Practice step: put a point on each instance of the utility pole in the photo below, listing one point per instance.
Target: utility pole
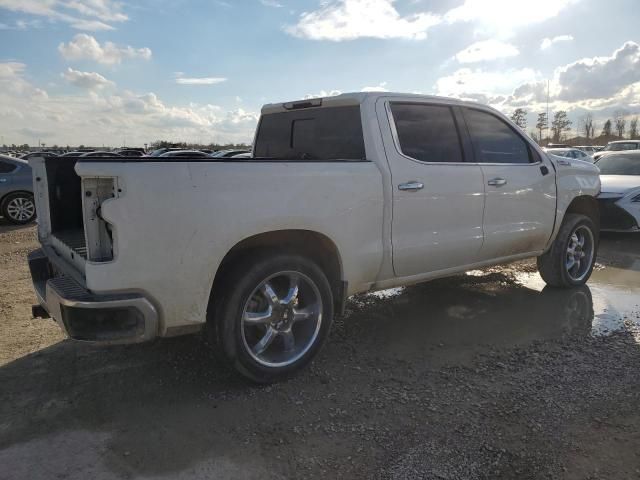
(548, 119)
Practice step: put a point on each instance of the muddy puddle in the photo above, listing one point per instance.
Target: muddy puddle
(505, 307)
(615, 299)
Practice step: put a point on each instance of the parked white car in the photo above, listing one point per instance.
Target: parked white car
(617, 146)
(620, 197)
(347, 194)
(588, 149)
(570, 153)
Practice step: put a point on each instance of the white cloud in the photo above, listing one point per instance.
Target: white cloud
(339, 20)
(548, 42)
(600, 77)
(80, 14)
(97, 116)
(88, 80)
(381, 87)
(323, 93)
(86, 47)
(15, 86)
(181, 80)
(600, 85)
(486, 50)
(271, 3)
(466, 82)
(506, 16)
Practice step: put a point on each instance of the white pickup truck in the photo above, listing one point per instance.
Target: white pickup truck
(347, 194)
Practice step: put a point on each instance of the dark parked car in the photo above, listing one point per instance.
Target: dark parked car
(131, 152)
(160, 151)
(27, 156)
(16, 191)
(185, 153)
(73, 154)
(100, 154)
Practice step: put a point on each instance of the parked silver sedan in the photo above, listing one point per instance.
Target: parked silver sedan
(16, 191)
(570, 153)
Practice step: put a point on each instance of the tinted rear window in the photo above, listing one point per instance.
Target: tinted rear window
(331, 133)
(427, 132)
(6, 167)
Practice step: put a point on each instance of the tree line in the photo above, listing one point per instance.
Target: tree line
(560, 125)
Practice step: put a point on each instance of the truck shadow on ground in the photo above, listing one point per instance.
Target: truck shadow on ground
(392, 363)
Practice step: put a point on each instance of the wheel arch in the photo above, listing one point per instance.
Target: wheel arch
(314, 245)
(3, 198)
(585, 205)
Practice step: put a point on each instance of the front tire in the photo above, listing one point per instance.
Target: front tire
(272, 315)
(18, 208)
(570, 260)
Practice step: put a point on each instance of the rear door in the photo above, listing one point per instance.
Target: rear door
(520, 186)
(438, 197)
(7, 173)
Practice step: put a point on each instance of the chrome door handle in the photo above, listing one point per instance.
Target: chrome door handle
(3, 180)
(411, 186)
(497, 182)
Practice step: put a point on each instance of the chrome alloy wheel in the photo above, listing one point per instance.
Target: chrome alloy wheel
(281, 319)
(21, 209)
(580, 251)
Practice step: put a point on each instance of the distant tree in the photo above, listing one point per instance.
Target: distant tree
(621, 123)
(542, 124)
(534, 136)
(519, 117)
(587, 126)
(606, 129)
(633, 128)
(560, 125)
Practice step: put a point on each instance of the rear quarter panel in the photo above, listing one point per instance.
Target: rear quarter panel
(175, 222)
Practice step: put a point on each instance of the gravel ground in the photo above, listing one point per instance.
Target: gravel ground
(484, 375)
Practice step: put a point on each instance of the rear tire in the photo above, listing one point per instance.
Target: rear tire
(570, 260)
(271, 315)
(18, 208)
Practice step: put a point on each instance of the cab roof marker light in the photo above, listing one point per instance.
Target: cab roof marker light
(312, 102)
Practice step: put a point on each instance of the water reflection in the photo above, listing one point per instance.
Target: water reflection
(615, 298)
(482, 309)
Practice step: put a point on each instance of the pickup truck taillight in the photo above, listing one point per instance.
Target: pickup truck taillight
(99, 236)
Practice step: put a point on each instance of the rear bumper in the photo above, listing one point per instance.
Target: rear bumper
(84, 316)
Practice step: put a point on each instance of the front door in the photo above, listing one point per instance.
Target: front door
(520, 186)
(438, 197)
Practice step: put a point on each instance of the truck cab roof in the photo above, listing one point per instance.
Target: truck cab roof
(355, 98)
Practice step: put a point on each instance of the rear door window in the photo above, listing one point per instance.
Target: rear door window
(427, 132)
(494, 141)
(6, 167)
(329, 133)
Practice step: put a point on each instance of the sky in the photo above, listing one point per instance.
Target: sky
(104, 72)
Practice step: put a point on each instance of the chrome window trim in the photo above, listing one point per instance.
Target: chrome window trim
(398, 148)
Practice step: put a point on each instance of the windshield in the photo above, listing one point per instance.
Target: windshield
(158, 152)
(619, 165)
(617, 147)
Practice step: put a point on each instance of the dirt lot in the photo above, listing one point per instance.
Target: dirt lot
(485, 375)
